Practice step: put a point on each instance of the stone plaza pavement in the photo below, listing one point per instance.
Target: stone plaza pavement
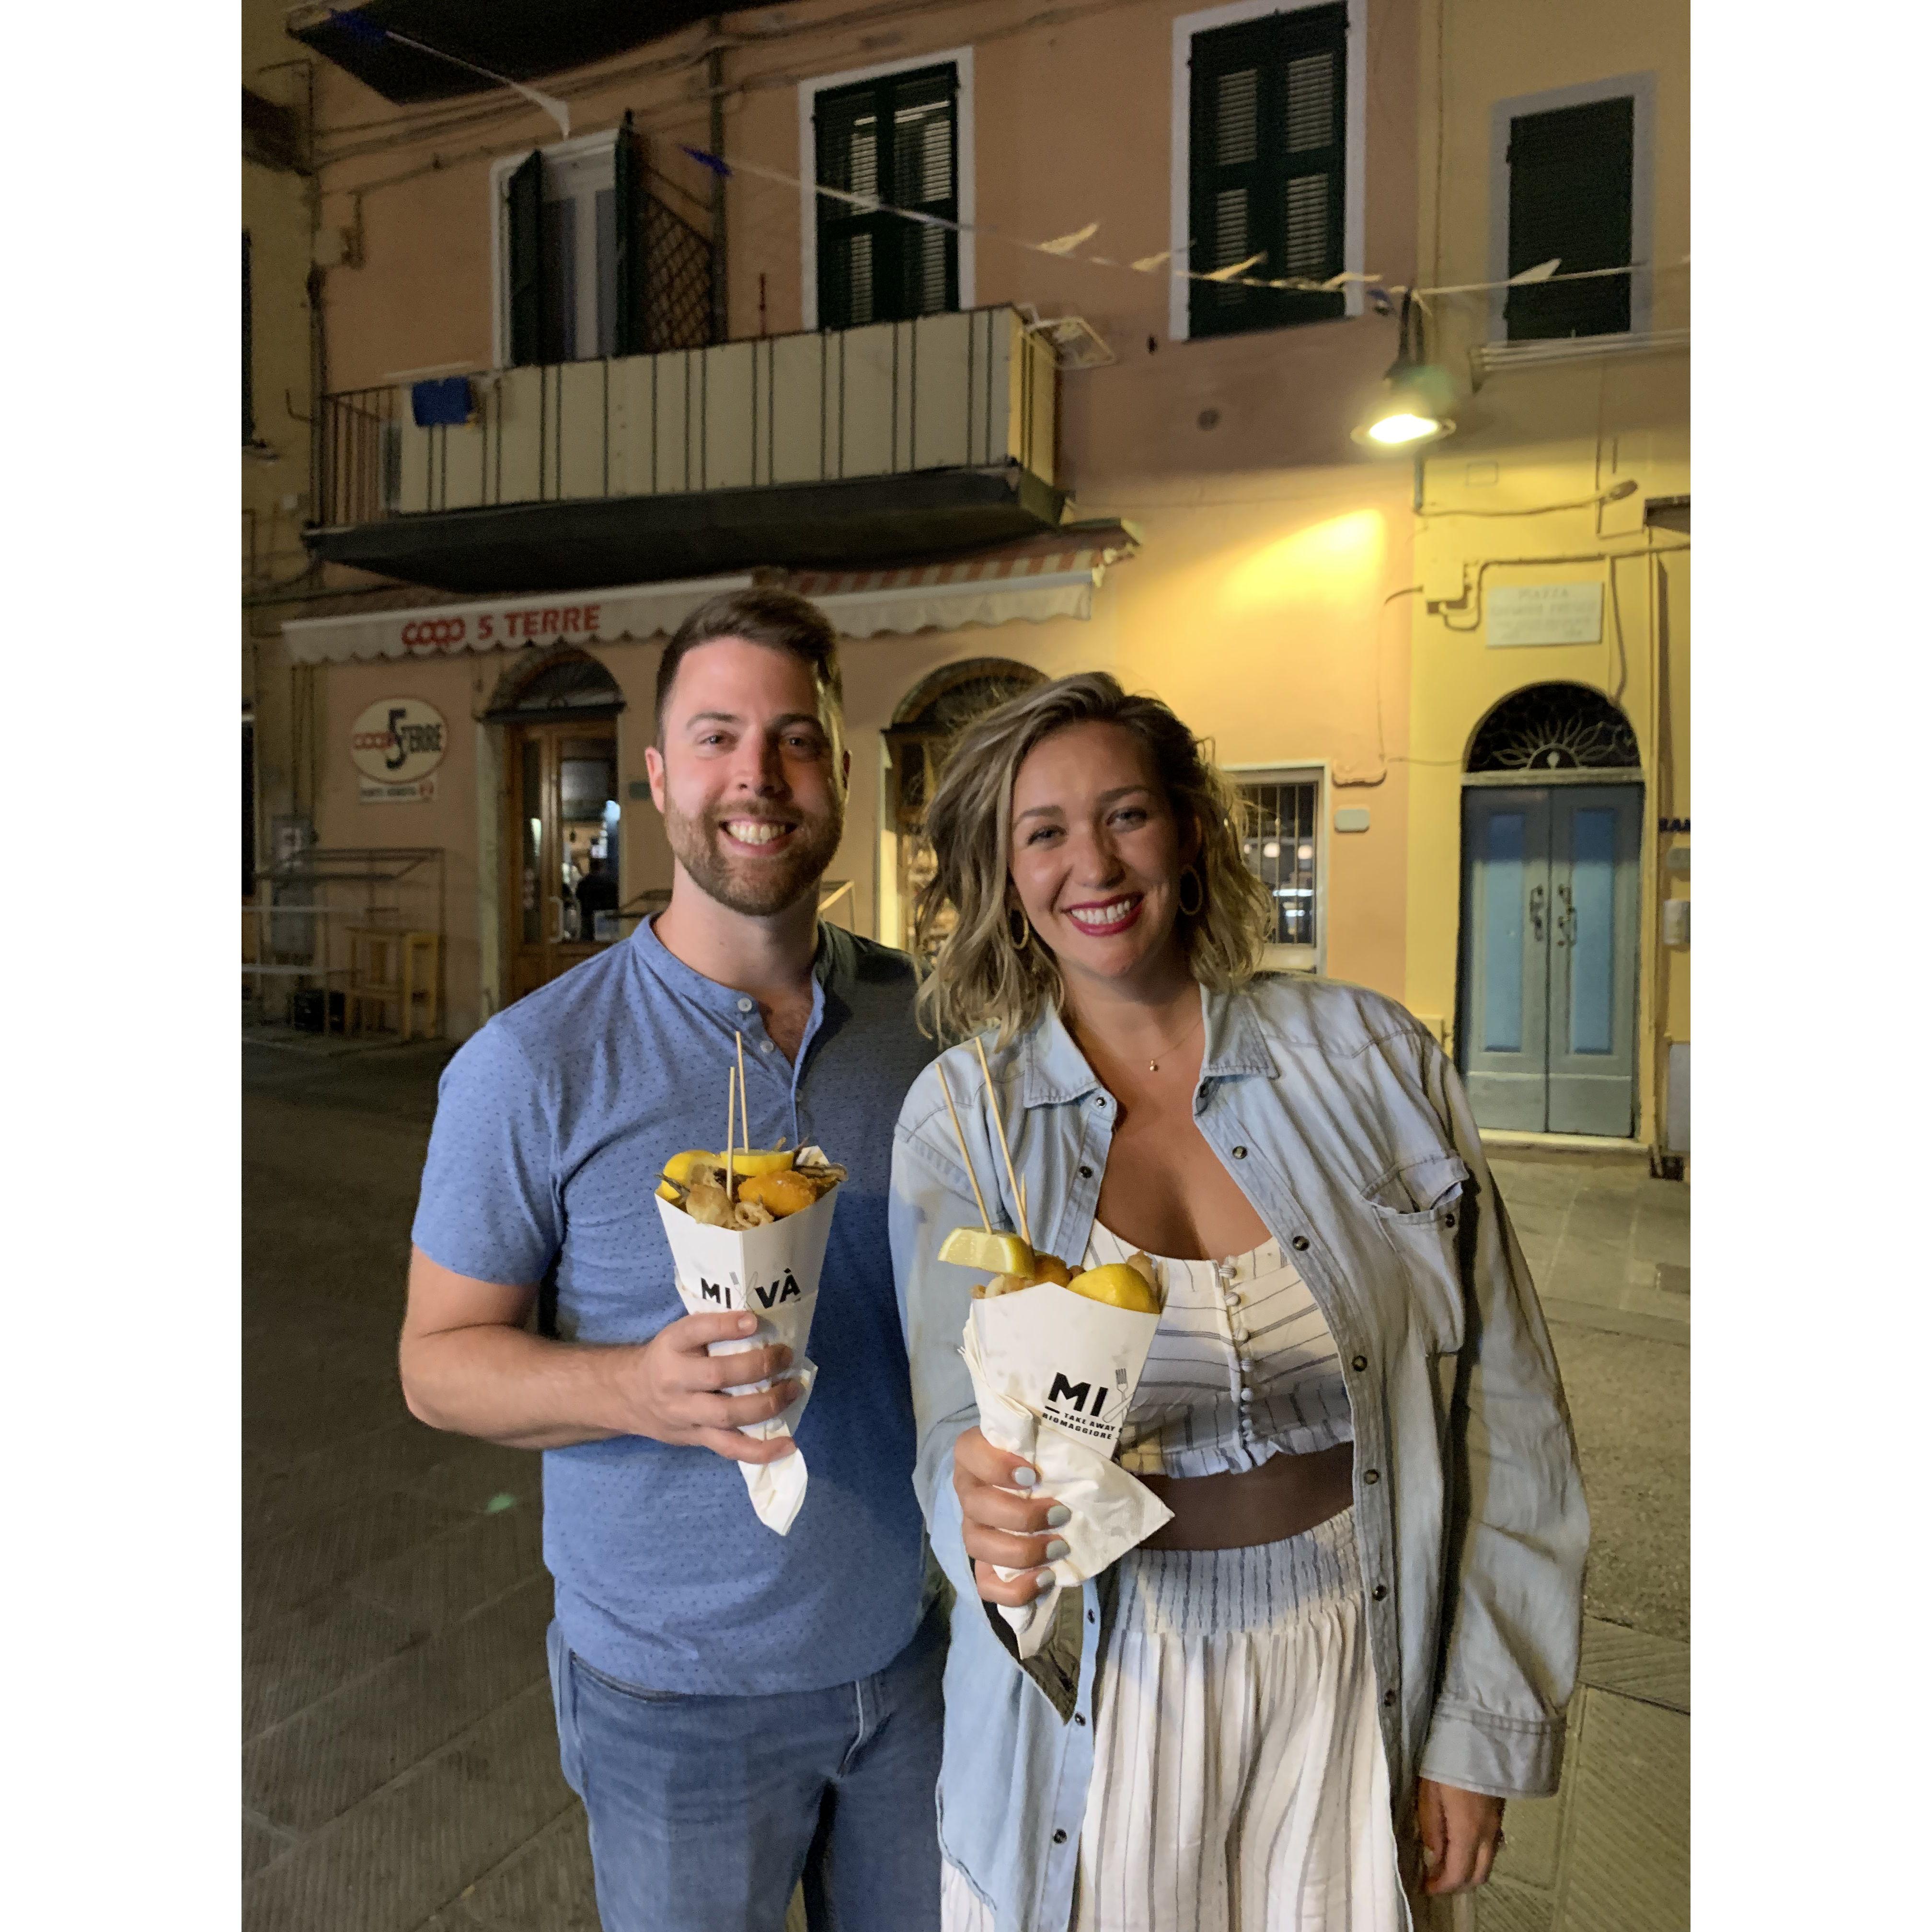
(399, 1763)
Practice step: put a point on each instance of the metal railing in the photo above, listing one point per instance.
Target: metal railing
(965, 389)
(360, 453)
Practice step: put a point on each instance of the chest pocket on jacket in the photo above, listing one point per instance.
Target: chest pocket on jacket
(1421, 1209)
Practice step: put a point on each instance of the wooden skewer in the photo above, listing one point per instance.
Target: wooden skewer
(744, 1106)
(965, 1159)
(999, 1127)
(730, 1126)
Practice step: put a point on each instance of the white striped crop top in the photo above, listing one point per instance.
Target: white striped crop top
(1243, 1366)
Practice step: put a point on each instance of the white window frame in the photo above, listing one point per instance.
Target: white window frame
(1640, 89)
(808, 91)
(1298, 771)
(1354, 171)
(580, 156)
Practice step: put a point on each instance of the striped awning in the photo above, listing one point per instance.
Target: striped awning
(1054, 575)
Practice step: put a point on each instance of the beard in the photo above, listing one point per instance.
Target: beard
(757, 887)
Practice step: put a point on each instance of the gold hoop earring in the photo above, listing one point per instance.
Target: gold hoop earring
(1023, 938)
(1200, 892)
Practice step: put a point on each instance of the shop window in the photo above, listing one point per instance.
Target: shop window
(1571, 179)
(894, 136)
(1267, 161)
(1281, 817)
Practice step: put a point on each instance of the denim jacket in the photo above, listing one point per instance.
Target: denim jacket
(1337, 1114)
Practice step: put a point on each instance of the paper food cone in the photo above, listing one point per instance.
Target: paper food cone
(1054, 1374)
(771, 1272)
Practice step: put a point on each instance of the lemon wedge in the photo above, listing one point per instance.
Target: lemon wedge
(744, 1160)
(1119, 1285)
(667, 1193)
(760, 1160)
(993, 1254)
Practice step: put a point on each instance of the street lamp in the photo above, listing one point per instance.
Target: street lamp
(1412, 408)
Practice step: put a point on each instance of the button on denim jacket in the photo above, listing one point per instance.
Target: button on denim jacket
(1338, 1117)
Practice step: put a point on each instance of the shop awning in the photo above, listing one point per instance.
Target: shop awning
(1053, 576)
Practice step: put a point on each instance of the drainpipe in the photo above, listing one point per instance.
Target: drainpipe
(714, 68)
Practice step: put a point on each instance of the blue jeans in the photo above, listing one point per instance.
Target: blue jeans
(705, 1812)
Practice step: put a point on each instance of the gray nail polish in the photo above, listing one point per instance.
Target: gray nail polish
(1045, 1582)
(1058, 1515)
(1024, 1479)
(1055, 1550)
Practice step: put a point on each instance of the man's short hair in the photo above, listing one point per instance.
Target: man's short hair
(780, 620)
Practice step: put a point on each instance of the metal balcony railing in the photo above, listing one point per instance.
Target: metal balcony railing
(970, 389)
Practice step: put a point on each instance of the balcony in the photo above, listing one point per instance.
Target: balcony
(842, 449)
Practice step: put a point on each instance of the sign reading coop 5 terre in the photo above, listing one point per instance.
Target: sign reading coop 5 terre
(396, 744)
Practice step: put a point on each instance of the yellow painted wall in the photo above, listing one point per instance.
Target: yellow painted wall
(1532, 438)
(1259, 602)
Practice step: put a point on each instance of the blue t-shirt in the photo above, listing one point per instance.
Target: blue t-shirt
(553, 1125)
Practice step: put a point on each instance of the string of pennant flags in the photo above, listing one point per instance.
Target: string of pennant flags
(1072, 248)
(1065, 247)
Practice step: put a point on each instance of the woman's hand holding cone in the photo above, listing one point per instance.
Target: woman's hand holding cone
(1002, 1525)
(669, 1389)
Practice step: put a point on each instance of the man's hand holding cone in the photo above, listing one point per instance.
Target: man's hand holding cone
(671, 1389)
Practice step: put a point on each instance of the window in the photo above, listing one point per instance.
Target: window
(1268, 142)
(1571, 180)
(568, 250)
(1281, 813)
(895, 135)
(247, 344)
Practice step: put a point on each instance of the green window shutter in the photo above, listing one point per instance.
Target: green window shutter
(896, 139)
(1266, 148)
(525, 196)
(629, 161)
(1570, 199)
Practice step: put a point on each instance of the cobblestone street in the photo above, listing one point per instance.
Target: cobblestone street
(399, 1761)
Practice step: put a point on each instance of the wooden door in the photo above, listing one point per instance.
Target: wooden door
(561, 846)
(1502, 1035)
(1595, 835)
(1546, 1035)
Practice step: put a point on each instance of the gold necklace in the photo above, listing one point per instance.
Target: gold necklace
(1153, 1065)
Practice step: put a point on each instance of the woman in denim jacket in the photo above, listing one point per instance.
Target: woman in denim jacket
(1302, 1703)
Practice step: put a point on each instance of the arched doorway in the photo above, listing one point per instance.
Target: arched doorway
(929, 717)
(562, 817)
(1552, 840)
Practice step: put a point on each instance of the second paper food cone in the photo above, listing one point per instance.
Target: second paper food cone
(771, 1272)
(1054, 1374)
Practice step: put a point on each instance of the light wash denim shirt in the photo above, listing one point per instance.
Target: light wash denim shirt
(1340, 1120)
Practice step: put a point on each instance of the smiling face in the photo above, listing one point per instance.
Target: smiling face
(1096, 852)
(749, 775)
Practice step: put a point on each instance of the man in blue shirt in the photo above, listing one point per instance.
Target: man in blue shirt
(737, 1709)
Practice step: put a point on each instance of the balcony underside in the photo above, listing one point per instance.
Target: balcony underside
(526, 42)
(580, 544)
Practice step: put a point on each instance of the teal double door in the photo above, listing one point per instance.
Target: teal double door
(1548, 988)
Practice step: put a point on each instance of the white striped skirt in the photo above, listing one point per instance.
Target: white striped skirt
(1239, 1784)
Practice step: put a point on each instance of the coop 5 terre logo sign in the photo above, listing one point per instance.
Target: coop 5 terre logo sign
(396, 744)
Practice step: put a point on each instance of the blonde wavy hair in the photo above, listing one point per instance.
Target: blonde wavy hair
(980, 978)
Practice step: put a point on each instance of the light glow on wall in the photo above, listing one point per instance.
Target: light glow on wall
(1339, 561)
